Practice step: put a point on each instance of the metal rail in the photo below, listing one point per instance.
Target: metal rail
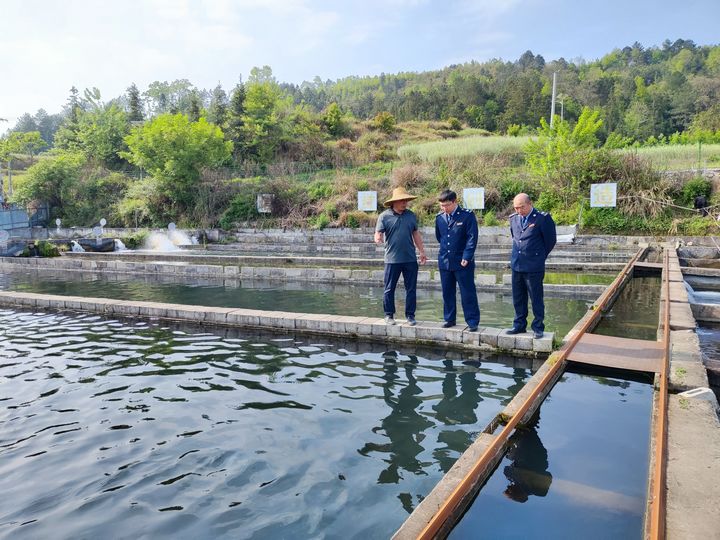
(462, 490)
(657, 501)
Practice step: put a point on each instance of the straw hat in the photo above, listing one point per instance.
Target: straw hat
(399, 194)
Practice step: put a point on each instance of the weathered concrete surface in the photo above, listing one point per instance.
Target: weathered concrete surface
(371, 328)
(693, 470)
(706, 312)
(686, 366)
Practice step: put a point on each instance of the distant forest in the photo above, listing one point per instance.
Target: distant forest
(641, 93)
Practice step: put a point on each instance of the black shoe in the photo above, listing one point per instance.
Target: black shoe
(472, 328)
(538, 335)
(448, 324)
(513, 331)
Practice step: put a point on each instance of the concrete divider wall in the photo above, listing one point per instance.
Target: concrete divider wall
(484, 339)
(427, 279)
(693, 458)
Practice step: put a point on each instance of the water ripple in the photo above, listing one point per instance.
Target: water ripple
(158, 431)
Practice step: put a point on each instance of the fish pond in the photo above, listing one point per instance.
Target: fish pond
(117, 429)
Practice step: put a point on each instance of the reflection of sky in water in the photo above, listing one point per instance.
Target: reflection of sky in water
(496, 309)
(112, 429)
(579, 472)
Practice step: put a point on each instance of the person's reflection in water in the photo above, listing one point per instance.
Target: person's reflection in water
(455, 409)
(403, 426)
(527, 474)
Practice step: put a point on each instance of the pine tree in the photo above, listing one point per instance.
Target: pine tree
(195, 107)
(235, 116)
(135, 107)
(217, 113)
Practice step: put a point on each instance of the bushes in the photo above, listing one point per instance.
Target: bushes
(243, 206)
(385, 122)
(319, 189)
(135, 240)
(694, 188)
(356, 218)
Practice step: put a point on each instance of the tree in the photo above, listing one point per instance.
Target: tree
(235, 116)
(135, 107)
(384, 121)
(164, 97)
(566, 160)
(217, 112)
(51, 180)
(66, 136)
(195, 109)
(266, 115)
(174, 150)
(101, 134)
(334, 121)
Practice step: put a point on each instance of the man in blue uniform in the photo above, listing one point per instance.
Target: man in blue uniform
(397, 227)
(456, 230)
(533, 235)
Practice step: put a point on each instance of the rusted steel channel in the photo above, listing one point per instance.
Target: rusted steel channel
(442, 520)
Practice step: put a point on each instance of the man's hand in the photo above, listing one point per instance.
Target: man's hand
(423, 258)
(378, 238)
(463, 263)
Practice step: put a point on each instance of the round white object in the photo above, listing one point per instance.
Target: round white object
(171, 226)
(103, 222)
(58, 222)
(97, 231)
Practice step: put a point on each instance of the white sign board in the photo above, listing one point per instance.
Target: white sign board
(367, 201)
(103, 222)
(603, 195)
(58, 222)
(474, 198)
(264, 203)
(171, 226)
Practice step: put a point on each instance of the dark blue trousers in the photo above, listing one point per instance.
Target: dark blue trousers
(409, 273)
(465, 280)
(526, 284)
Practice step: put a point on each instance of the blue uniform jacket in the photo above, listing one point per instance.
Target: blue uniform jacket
(457, 239)
(532, 244)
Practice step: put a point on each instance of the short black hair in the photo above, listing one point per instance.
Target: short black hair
(447, 195)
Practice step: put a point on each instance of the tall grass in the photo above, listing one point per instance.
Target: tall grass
(679, 157)
(464, 146)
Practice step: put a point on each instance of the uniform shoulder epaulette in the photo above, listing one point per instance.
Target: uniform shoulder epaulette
(543, 213)
(440, 212)
(513, 215)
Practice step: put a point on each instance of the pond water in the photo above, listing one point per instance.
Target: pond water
(579, 472)
(635, 314)
(110, 429)
(306, 297)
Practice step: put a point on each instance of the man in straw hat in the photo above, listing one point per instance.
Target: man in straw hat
(399, 227)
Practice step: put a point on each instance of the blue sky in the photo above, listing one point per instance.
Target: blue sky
(47, 46)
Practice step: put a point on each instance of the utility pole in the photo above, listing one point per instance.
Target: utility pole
(552, 106)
